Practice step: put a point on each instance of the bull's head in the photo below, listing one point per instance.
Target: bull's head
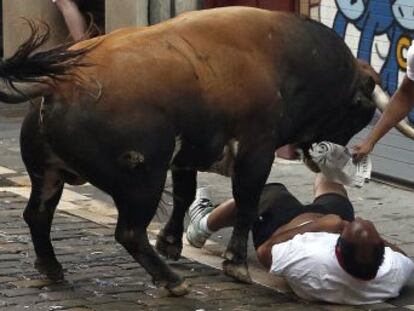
(355, 115)
(368, 97)
(381, 98)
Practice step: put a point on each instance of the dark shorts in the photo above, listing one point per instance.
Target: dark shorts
(278, 207)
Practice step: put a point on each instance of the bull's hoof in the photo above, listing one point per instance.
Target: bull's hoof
(51, 268)
(169, 246)
(159, 283)
(228, 255)
(237, 271)
(177, 290)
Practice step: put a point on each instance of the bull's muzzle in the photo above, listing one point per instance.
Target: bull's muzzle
(382, 99)
(310, 164)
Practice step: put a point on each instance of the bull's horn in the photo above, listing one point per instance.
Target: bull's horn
(382, 99)
(26, 91)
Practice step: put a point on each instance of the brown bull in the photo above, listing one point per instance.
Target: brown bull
(121, 110)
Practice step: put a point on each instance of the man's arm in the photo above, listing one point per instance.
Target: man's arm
(400, 105)
(329, 223)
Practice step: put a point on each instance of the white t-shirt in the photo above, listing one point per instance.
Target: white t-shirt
(309, 265)
(410, 62)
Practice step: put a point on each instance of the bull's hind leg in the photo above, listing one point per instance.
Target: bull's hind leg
(136, 209)
(45, 195)
(46, 191)
(252, 167)
(169, 241)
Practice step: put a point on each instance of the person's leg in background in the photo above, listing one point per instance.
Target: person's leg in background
(73, 18)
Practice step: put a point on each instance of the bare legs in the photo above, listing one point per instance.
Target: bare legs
(73, 18)
(222, 216)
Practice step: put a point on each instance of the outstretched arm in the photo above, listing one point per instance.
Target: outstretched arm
(400, 105)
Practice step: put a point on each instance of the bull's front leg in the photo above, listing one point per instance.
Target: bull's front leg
(169, 241)
(252, 167)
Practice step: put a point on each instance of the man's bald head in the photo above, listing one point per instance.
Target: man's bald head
(360, 249)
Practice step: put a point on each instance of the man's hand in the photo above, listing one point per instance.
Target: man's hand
(399, 106)
(361, 150)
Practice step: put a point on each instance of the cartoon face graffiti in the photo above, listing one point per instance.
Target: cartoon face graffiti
(403, 11)
(386, 30)
(352, 9)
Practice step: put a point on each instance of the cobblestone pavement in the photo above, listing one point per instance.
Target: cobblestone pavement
(100, 275)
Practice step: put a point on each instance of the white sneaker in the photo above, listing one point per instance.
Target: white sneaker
(201, 206)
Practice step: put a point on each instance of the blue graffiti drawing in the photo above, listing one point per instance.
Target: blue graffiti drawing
(400, 36)
(372, 18)
(403, 11)
(395, 18)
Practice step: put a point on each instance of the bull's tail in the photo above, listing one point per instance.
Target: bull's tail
(29, 74)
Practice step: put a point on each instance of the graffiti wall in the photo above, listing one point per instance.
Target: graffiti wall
(378, 31)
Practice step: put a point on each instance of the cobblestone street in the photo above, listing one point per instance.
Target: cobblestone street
(124, 108)
(100, 275)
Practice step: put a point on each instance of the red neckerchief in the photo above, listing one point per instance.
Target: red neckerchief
(339, 257)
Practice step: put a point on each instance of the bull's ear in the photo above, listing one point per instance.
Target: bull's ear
(366, 69)
(367, 84)
(368, 77)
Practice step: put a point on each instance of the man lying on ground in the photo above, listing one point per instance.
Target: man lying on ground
(320, 249)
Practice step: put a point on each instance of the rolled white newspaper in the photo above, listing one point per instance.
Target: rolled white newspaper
(335, 162)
